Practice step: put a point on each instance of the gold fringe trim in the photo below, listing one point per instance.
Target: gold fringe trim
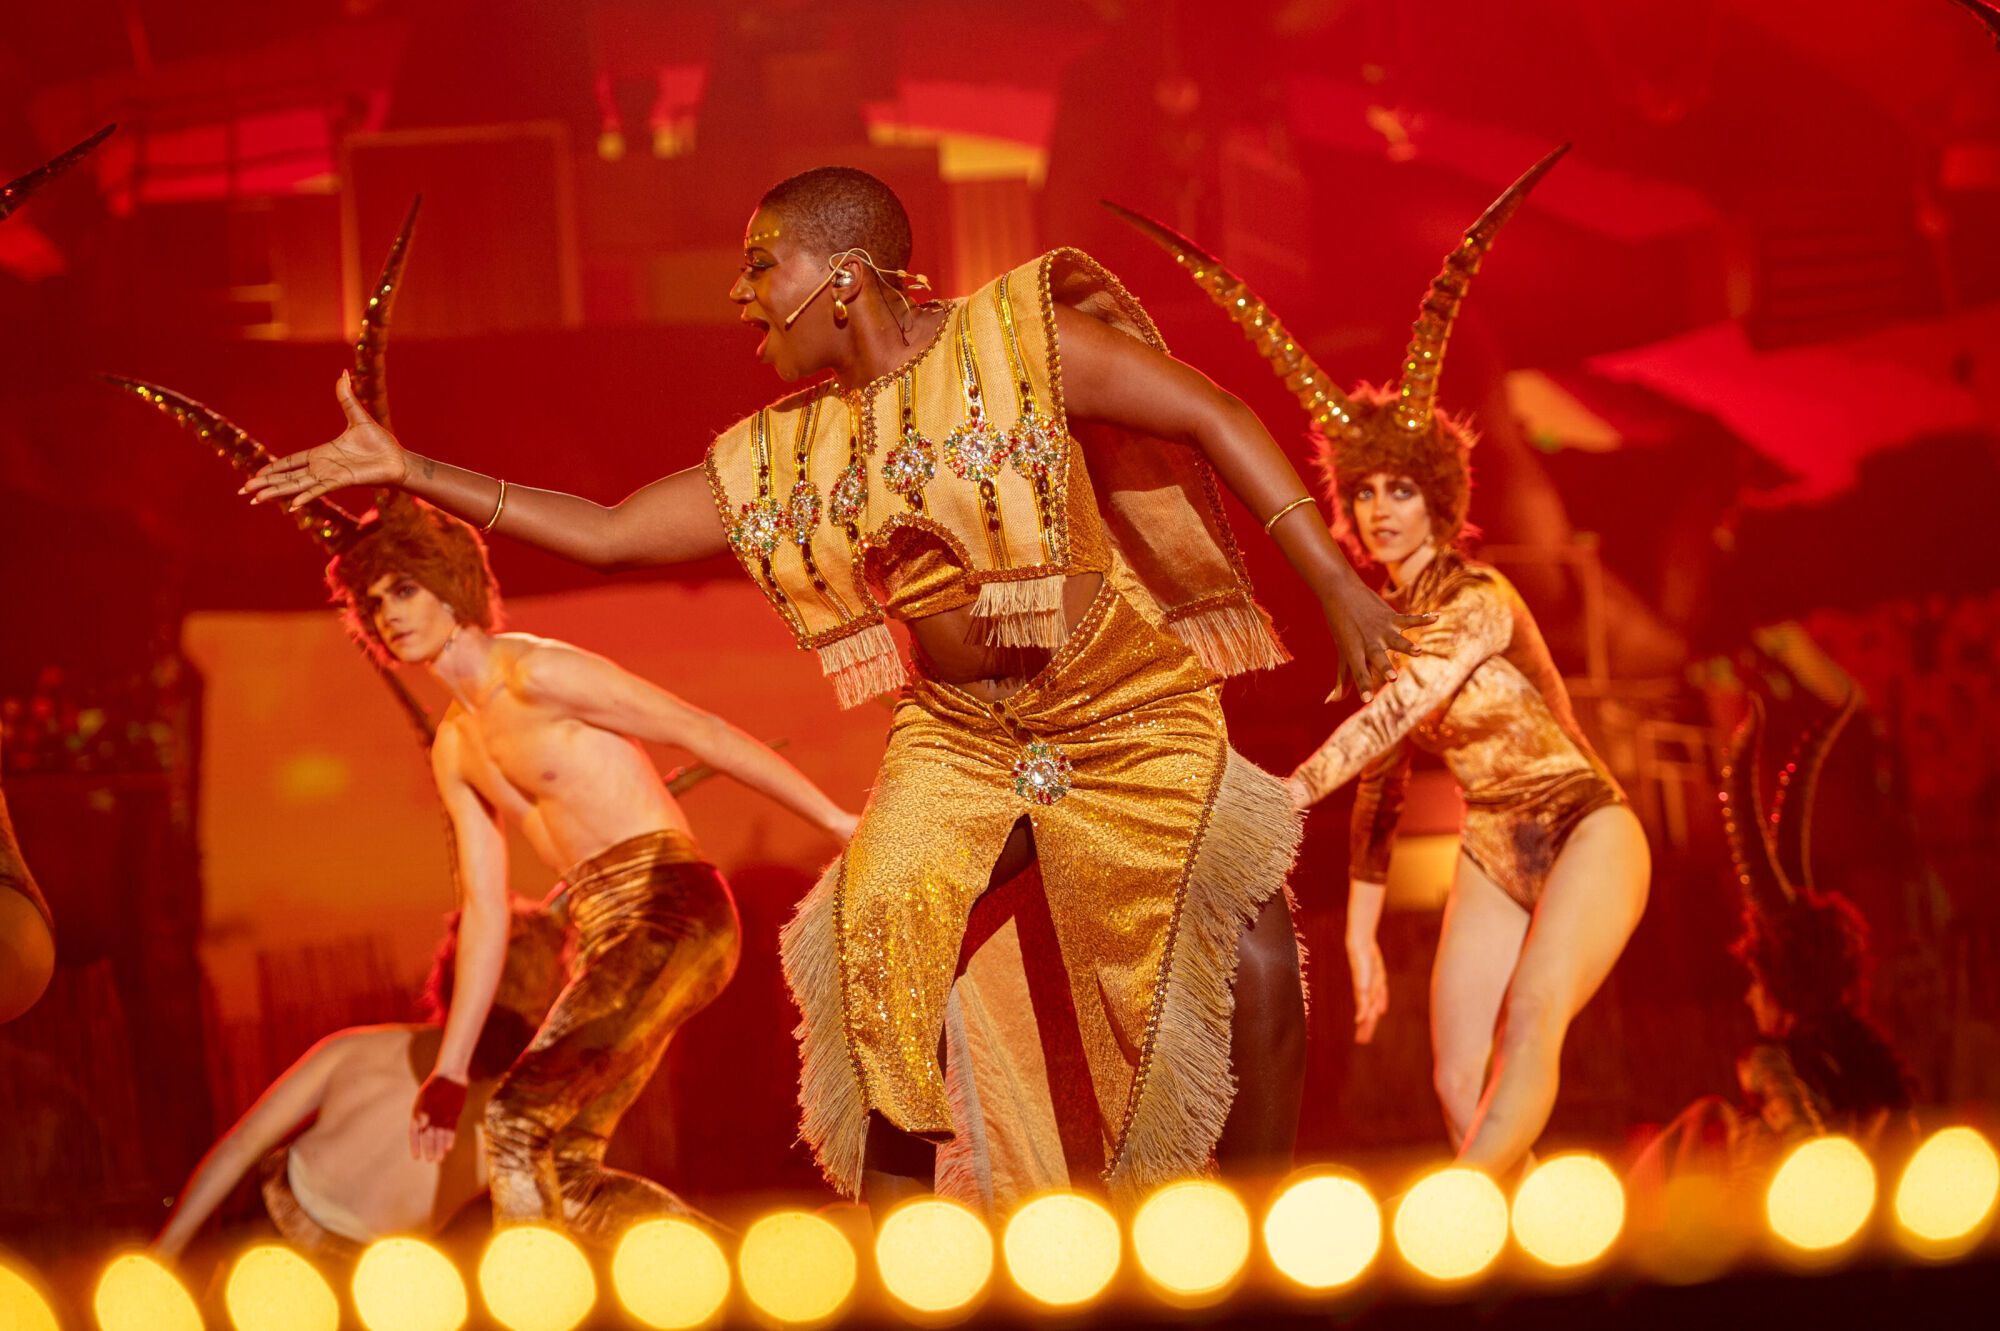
(964, 1165)
(1186, 1085)
(862, 665)
(833, 1113)
(1022, 612)
(1232, 637)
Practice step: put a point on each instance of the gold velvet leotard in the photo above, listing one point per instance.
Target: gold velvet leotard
(1486, 698)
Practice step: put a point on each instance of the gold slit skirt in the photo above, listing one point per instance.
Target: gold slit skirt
(1157, 846)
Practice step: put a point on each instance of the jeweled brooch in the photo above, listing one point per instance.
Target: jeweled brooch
(976, 451)
(802, 512)
(1035, 446)
(849, 499)
(909, 466)
(1042, 773)
(759, 528)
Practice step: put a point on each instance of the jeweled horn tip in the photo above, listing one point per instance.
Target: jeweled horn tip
(1325, 404)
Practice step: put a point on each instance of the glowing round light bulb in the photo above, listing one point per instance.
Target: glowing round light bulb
(1323, 1231)
(1062, 1249)
(136, 1293)
(1946, 1194)
(1569, 1211)
(1452, 1224)
(796, 1267)
(934, 1256)
(1821, 1195)
(272, 1288)
(670, 1274)
(22, 1305)
(536, 1279)
(407, 1285)
(1192, 1239)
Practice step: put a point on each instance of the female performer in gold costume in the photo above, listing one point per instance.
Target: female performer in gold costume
(1553, 868)
(1073, 597)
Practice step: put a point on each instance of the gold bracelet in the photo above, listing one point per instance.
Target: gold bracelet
(1272, 521)
(498, 506)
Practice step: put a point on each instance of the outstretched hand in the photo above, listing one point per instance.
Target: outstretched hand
(1367, 630)
(364, 454)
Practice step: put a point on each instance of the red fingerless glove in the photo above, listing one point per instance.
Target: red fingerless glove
(440, 1101)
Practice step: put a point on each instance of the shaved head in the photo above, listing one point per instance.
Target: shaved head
(833, 208)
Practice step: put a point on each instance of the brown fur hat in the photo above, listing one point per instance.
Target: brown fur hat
(435, 550)
(536, 969)
(1438, 460)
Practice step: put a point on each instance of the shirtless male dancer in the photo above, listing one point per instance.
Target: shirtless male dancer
(348, 1178)
(549, 735)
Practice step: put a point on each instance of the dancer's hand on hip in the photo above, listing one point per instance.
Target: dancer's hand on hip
(1367, 630)
(364, 454)
(434, 1118)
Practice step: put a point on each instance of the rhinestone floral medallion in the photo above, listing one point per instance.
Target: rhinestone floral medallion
(802, 511)
(1036, 446)
(976, 450)
(1042, 773)
(758, 528)
(910, 465)
(849, 498)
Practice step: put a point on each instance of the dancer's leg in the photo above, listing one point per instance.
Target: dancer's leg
(1477, 951)
(898, 1165)
(1267, 1047)
(1591, 903)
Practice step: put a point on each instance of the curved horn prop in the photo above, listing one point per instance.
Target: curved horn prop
(327, 523)
(16, 192)
(1985, 12)
(1798, 784)
(371, 347)
(1325, 403)
(1424, 362)
(1763, 881)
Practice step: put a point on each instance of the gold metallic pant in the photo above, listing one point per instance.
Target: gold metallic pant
(1160, 849)
(657, 939)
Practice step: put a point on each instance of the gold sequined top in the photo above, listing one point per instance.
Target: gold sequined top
(957, 480)
(1484, 696)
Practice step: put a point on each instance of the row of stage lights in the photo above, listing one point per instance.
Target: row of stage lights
(1192, 1243)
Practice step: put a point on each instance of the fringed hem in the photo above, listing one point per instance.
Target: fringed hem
(1186, 1084)
(964, 1164)
(1231, 637)
(833, 1113)
(862, 665)
(1023, 612)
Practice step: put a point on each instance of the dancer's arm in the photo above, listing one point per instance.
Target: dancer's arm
(287, 1102)
(1472, 626)
(671, 521)
(594, 690)
(484, 919)
(1378, 804)
(1111, 377)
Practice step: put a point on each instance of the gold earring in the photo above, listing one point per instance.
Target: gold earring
(839, 310)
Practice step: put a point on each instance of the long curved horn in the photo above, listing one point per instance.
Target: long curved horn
(332, 526)
(1986, 13)
(1758, 872)
(1323, 401)
(15, 192)
(371, 346)
(1423, 363)
(1798, 784)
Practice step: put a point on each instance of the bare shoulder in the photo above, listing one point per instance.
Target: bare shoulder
(546, 669)
(365, 1044)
